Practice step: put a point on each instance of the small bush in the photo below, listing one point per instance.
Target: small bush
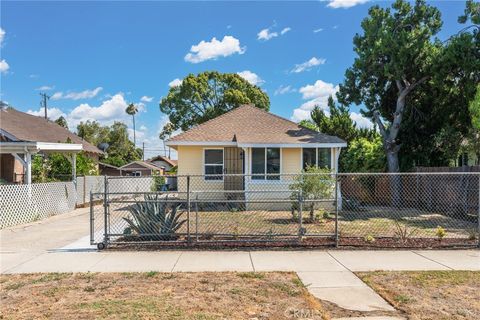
(440, 232)
(369, 238)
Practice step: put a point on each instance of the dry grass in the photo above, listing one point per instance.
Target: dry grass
(155, 295)
(432, 295)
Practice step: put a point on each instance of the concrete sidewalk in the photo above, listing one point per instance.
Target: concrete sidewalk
(328, 275)
(60, 244)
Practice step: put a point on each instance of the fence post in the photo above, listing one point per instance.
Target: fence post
(105, 210)
(92, 219)
(85, 190)
(188, 208)
(300, 216)
(336, 210)
(196, 218)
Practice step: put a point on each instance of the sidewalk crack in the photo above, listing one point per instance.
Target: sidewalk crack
(421, 255)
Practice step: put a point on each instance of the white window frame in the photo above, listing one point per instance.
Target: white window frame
(137, 173)
(264, 180)
(204, 164)
(332, 160)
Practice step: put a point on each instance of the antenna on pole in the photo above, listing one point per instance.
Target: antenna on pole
(43, 103)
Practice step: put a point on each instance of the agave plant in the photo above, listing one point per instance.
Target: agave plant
(154, 218)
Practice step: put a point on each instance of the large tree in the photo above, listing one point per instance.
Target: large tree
(415, 87)
(121, 150)
(394, 58)
(207, 95)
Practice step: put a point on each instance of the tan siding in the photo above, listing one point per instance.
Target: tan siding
(190, 162)
(291, 160)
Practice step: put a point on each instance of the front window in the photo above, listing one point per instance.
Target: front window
(265, 160)
(317, 157)
(213, 164)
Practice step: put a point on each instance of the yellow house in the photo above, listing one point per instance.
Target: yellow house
(264, 150)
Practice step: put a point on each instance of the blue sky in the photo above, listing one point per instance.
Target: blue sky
(93, 58)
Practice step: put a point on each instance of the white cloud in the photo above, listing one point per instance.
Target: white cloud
(285, 30)
(86, 94)
(266, 34)
(109, 111)
(361, 121)
(146, 99)
(2, 35)
(251, 77)
(45, 88)
(284, 90)
(318, 30)
(317, 95)
(335, 4)
(4, 66)
(52, 113)
(307, 65)
(318, 89)
(207, 50)
(175, 83)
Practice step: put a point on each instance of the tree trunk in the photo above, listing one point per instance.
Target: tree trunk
(395, 178)
(134, 133)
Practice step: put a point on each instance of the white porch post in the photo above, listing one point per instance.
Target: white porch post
(28, 168)
(74, 169)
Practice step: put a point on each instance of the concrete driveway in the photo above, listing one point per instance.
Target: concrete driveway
(23, 243)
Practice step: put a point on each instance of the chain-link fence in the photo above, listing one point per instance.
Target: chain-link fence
(383, 210)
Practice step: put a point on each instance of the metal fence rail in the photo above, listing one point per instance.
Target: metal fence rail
(384, 210)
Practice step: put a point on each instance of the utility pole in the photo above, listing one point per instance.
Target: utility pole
(143, 152)
(43, 103)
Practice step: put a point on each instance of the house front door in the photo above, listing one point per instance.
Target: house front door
(234, 164)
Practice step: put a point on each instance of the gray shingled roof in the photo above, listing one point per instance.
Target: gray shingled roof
(26, 127)
(250, 125)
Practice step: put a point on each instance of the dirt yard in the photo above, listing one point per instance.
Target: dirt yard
(429, 294)
(156, 296)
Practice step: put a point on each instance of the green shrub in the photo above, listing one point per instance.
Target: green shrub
(440, 232)
(158, 181)
(314, 184)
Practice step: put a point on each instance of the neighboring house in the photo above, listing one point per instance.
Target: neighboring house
(251, 141)
(106, 169)
(163, 162)
(139, 168)
(22, 135)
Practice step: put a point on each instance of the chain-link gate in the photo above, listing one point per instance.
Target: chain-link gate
(384, 210)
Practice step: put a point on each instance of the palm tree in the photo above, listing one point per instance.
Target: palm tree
(132, 109)
(166, 132)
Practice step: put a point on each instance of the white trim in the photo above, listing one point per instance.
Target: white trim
(34, 147)
(255, 145)
(200, 143)
(204, 164)
(292, 145)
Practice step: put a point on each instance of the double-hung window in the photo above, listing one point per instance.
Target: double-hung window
(213, 164)
(266, 163)
(317, 157)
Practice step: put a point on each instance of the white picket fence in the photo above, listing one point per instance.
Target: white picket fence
(21, 203)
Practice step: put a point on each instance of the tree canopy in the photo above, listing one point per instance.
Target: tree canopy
(207, 95)
(415, 87)
(121, 149)
(364, 152)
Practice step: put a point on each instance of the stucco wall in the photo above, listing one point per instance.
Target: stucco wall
(190, 162)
